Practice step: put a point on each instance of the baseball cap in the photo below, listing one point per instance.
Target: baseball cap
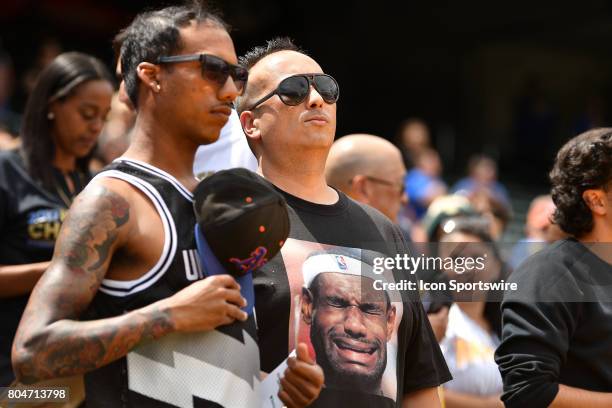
(443, 208)
(242, 223)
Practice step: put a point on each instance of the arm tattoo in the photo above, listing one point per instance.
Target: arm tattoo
(93, 229)
(48, 344)
(79, 347)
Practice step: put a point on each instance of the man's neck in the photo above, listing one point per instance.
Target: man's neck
(601, 232)
(304, 179)
(153, 144)
(599, 241)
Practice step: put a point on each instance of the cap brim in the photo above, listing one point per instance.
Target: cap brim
(211, 266)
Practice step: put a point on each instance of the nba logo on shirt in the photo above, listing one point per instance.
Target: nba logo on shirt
(341, 262)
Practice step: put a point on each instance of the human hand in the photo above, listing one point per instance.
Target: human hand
(302, 380)
(207, 304)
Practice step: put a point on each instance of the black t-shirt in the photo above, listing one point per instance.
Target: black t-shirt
(557, 326)
(372, 352)
(30, 220)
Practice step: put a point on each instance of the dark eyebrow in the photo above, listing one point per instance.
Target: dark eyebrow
(370, 305)
(337, 299)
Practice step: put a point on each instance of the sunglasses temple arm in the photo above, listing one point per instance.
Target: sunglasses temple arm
(262, 100)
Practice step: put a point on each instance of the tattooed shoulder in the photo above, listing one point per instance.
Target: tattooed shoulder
(91, 229)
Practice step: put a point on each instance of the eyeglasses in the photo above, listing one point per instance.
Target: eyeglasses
(401, 187)
(293, 90)
(213, 68)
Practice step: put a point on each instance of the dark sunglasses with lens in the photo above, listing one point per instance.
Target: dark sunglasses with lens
(213, 68)
(293, 90)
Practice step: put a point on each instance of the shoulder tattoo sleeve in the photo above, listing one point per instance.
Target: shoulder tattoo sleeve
(50, 342)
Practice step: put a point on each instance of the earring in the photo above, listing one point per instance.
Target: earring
(157, 87)
(50, 115)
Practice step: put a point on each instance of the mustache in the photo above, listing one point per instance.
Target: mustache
(317, 114)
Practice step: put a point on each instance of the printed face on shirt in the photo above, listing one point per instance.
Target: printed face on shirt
(349, 330)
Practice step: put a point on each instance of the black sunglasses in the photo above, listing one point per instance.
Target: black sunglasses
(213, 68)
(294, 89)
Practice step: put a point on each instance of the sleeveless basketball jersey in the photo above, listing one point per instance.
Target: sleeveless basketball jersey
(219, 368)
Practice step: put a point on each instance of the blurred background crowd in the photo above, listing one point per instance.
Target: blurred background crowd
(471, 101)
(510, 82)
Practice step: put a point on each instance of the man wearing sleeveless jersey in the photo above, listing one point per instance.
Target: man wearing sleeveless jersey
(124, 261)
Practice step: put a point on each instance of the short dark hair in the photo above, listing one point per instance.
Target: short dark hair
(156, 33)
(118, 43)
(583, 163)
(56, 82)
(256, 54)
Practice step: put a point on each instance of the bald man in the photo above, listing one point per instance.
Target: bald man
(369, 169)
(288, 114)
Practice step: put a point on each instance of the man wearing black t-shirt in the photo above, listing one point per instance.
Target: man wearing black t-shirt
(288, 113)
(557, 326)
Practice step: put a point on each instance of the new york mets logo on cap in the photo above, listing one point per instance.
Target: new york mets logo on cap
(256, 260)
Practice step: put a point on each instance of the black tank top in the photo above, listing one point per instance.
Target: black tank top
(219, 368)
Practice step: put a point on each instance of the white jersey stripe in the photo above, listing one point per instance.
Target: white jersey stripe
(159, 173)
(125, 288)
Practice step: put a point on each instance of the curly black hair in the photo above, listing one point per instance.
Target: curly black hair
(583, 163)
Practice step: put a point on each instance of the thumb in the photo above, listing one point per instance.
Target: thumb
(302, 353)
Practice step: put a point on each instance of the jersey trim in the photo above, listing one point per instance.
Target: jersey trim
(128, 287)
(159, 173)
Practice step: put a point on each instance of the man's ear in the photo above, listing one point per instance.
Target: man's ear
(359, 189)
(250, 125)
(149, 75)
(596, 200)
(307, 306)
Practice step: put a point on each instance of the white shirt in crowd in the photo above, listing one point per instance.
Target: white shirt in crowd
(230, 151)
(469, 352)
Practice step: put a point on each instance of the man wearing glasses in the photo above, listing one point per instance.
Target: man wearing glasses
(118, 302)
(369, 169)
(288, 113)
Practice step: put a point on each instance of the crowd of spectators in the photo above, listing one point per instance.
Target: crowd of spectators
(404, 180)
